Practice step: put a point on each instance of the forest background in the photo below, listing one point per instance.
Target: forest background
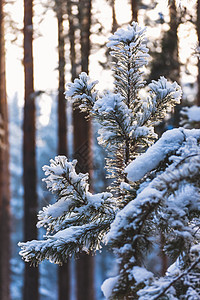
(43, 45)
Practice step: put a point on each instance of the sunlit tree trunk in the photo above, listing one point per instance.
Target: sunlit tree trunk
(29, 153)
(4, 173)
(82, 151)
(64, 271)
(198, 34)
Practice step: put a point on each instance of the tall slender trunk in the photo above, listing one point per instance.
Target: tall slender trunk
(72, 40)
(198, 65)
(82, 151)
(114, 20)
(29, 153)
(64, 270)
(134, 10)
(4, 173)
(173, 41)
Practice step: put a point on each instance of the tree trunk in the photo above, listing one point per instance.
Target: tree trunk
(64, 271)
(198, 65)
(114, 20)
(82, 152)
(173, 42)
(29, 153)
(134, 10)
(4, 173)
(72, 40)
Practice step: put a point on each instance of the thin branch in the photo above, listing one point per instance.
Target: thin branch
(177, 278)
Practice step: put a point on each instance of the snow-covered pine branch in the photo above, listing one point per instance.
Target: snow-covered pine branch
(77, 219)
(170, 204)
(127, 121)
(82, 92)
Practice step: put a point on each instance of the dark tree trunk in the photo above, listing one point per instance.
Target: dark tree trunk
(62, 119)
(134, 10)
(167, 64)
(72, 40)
(64, 270)
(173, 41)
(114, 20)
(198, 34)
(29, 153)
(82, 152)
(4, 174)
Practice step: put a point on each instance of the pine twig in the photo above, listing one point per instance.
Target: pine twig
(177, 278)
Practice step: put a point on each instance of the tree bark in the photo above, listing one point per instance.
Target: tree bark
(4, 173)
(114, 20)
(82, 152)
(173, 42)
(198, 64)
(64, 270)
(72, 40)
(29, 153)
(134, 10)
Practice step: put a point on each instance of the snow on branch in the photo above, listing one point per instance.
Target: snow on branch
(130, 53)
(115, 119)
(168, 143)
(65, 243)
(75, 203)
(163, 96)
(164, 286)
(163, 88)
(78, 218)
(171, 201)
(126, 36)
(82, 92)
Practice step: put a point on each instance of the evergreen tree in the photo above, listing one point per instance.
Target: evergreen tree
(155, 188)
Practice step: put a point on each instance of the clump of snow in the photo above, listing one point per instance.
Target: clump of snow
(193, 113)
(141, 131)
(55, 210)
(195, 249)
(150, 292)
(60, 169)
(174, 269)
(170, 141)
(108, 103)
(108, 285)
(130, 34)
(80, 86)
(132, 210)
(162, 88)
(141, 274)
